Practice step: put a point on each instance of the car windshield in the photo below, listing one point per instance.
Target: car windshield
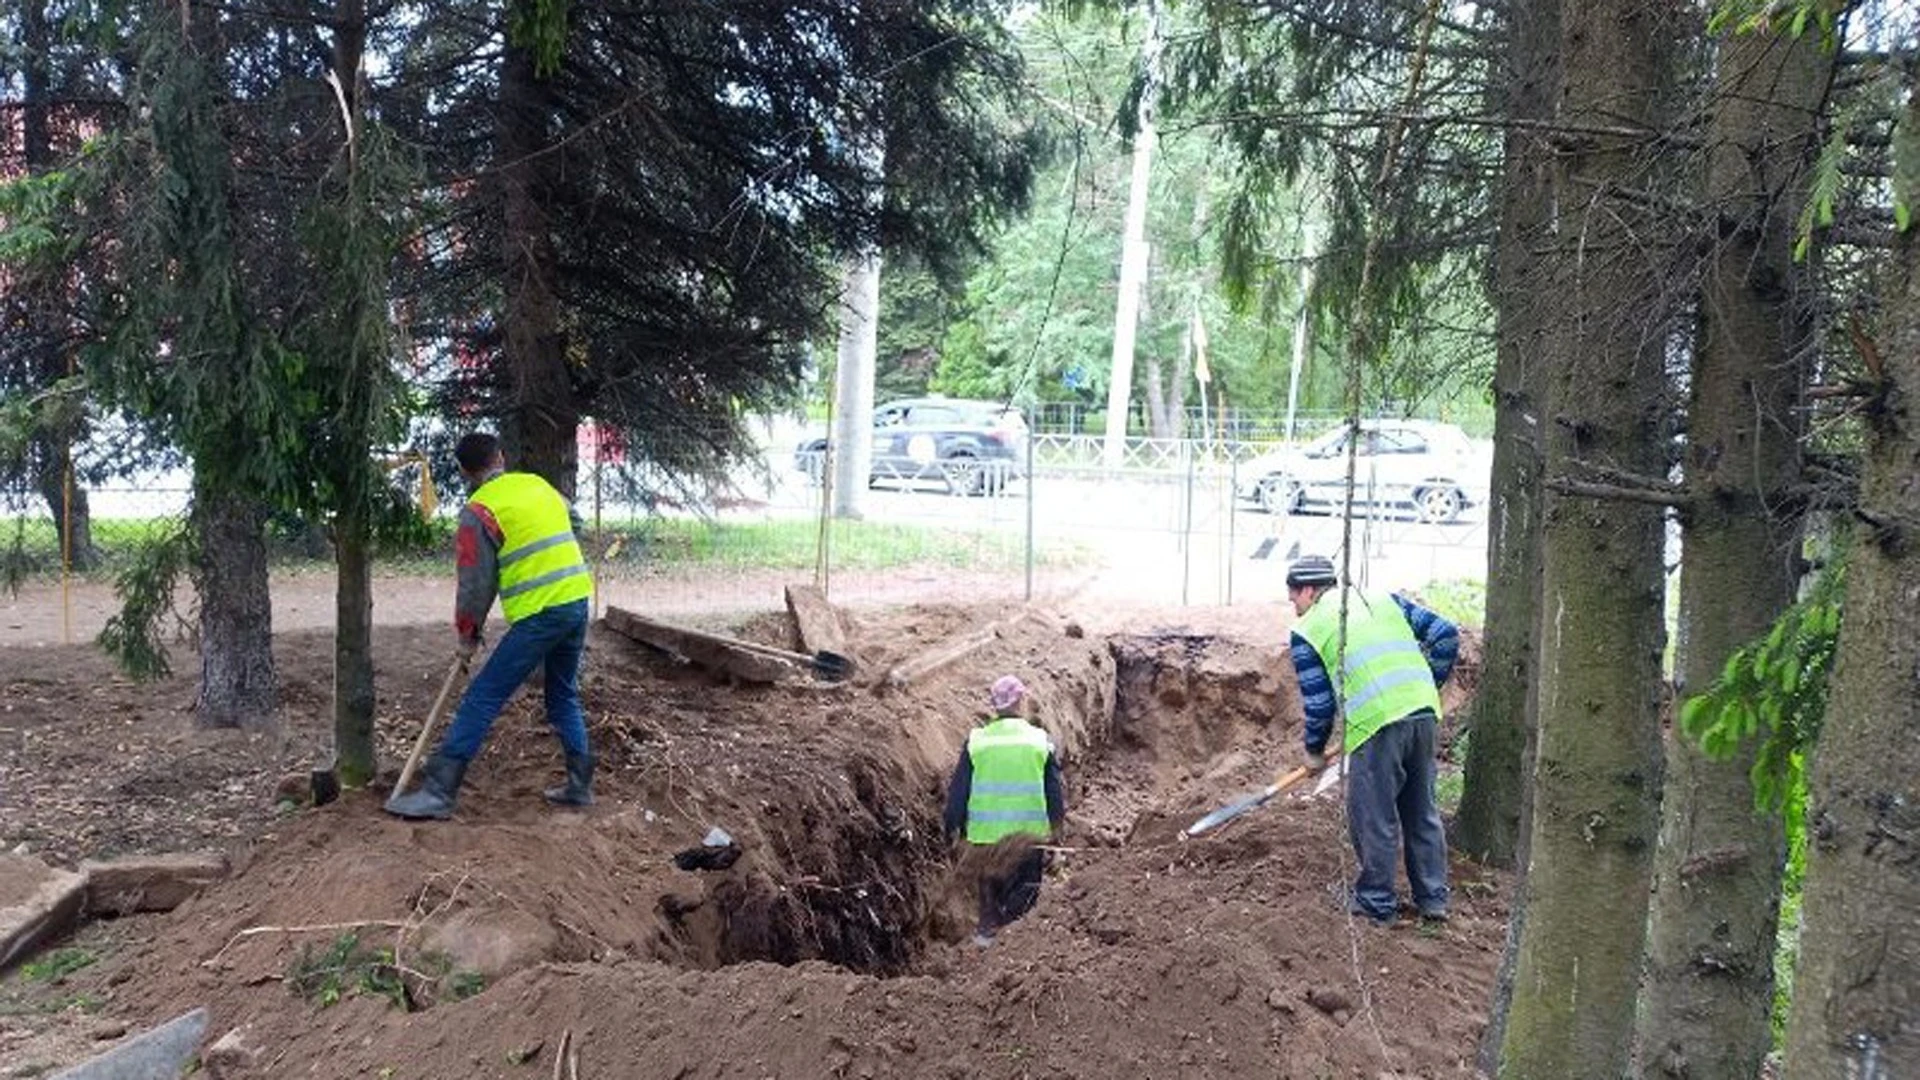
(1333, 442)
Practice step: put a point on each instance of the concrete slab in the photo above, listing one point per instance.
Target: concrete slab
(157, 1054)
(37, 904)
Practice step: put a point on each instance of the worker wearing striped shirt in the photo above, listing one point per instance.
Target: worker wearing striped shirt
(519, 539)
(1395, 656)
(1006, 787)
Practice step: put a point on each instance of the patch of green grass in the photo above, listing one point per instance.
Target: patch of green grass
(1461, 601)
(794, 545)
(55, 966)
(460, 985)
(346, 967)
(29, 546)
(1448, 786)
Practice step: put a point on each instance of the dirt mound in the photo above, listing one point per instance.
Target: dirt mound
(822, 950)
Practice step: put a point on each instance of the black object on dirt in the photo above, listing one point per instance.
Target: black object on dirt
(707, 858)
(716, 852)
(326, 787)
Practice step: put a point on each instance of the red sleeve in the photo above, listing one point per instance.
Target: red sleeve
(476, 554)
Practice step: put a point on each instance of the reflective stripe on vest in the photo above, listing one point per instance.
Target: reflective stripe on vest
(1384, 677)
(540, 561)
(1009, 793)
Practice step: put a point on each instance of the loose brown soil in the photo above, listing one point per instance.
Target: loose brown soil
(835, 945)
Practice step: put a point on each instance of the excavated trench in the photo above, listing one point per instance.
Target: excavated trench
(856, 873)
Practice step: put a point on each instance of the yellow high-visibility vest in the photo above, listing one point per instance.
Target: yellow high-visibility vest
(540, 561)
(1009, 794)
(1384, 676)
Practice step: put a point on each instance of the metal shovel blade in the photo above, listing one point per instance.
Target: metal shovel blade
(1329, 779)
(1245, 803)
(1230, 811)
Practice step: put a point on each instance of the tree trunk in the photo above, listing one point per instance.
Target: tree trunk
(1856, 989)
(46, 308)
(1158, 424)
(1596, 791)
(67, 501)
(1709, 989)
(1133, 259)
(853, 384)
(541, 417)
(1488, 827)
(354, 756)
(237, 685)
(1496, 800)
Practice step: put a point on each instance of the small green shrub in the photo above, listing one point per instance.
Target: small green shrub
(348, 967)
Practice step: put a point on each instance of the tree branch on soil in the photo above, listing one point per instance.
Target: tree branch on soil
(309, 928)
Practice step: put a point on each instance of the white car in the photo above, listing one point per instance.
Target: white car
(1427, 468)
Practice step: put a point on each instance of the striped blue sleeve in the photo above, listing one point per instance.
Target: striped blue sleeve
(1316, 694)
(1438, 638)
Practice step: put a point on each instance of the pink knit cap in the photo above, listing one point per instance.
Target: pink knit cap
(1007, 692)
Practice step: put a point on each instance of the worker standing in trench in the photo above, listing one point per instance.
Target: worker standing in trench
(1397, 655)
(517, 537)
(1005, 794)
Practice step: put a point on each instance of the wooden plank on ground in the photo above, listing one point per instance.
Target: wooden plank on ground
(819, 624)
(37, 904)
(722, 655)
(148, 882)
(947, 652)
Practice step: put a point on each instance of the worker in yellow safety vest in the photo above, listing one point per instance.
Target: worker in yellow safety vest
(1006, 790)
(518, 538)
(1385, 679)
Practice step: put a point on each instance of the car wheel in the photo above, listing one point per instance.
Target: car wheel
(1438, 505)
(965, 475)
(1279, 495)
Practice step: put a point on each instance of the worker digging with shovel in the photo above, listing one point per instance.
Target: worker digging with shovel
(1395, 657)
(1005, 797)
(517, 537)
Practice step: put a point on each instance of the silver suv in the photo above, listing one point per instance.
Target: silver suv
(1427, 468)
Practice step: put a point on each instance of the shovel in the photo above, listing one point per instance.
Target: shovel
(1329, 779)
(426, 730)
(1250, 802)
(827, 666)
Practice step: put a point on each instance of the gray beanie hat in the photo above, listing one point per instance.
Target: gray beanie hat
(1312, 570)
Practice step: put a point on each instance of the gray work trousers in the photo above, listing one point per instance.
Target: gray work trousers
(1390, 792)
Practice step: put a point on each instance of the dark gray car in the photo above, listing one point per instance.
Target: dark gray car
(972, 447)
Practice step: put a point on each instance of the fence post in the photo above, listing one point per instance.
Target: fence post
(1186, 526)
(1233, 519)
(1030, 539)
(599, 533)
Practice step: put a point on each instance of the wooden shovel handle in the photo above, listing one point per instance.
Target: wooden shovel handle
(1285, 780)
(426, 729)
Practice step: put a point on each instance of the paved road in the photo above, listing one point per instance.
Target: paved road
(1152, 537)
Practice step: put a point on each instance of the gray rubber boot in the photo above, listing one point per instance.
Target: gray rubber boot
(433, 799)
(579, 787)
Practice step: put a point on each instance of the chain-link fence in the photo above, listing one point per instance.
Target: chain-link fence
(1176, 521)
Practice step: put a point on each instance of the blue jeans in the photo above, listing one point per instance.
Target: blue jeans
(1390, 792)
(556, 636)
